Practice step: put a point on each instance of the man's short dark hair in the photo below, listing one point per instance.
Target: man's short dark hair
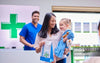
(99, 25)
(35, 12)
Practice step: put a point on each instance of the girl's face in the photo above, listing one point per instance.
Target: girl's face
(62, 26)
(52, 22)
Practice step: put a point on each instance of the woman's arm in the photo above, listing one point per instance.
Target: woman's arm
(38, 44)
(38, 49)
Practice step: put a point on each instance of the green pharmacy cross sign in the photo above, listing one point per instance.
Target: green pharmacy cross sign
(46, 54)
(13, 25)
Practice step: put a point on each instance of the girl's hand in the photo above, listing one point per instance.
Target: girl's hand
(66, 51)
(65, 39)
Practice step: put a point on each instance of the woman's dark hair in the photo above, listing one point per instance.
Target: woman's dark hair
(44, 29)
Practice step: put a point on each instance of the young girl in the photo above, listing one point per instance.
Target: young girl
(65, 25)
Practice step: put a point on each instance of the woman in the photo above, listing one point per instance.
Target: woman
(49, 32)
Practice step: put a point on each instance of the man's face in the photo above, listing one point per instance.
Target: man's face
(35, 18)
(99, 32)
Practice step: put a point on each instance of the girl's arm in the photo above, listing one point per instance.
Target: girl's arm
(69, 43)
(65, 39)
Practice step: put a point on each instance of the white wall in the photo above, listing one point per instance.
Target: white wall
(46, 5)
(88, 3)
(19, 56)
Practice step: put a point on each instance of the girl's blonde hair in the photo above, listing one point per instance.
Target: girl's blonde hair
(67, 21)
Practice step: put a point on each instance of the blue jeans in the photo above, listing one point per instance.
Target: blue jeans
(62, 61)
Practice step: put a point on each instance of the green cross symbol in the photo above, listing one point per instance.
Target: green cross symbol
(46, 54)
(13, 25)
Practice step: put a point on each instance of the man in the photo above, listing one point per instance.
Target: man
(29, 31)
(95, 59)
(99, 28)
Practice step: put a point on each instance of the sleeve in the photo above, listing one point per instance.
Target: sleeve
(70, 36)
(37, 41)
(23, 31)
(69, 44)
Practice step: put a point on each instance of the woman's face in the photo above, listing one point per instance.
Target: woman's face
(52, 22)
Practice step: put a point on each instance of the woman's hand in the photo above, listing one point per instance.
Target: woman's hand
(54, 59)
(38, 49)
(65, 39)
(66, 51)
(41, 44)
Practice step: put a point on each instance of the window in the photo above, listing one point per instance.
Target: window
(84, 22)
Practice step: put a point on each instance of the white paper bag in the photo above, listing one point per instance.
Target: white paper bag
(47, 52)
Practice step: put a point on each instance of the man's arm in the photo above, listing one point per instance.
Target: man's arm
(22, 40)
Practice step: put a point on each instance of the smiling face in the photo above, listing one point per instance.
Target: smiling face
(99, 32)
(52, 22)
(62, 25)
(35, 18)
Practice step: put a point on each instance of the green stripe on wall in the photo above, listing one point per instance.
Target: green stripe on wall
(94, 32)
(77, 31)
(86, 46)
(72, 56)
(79, 59)
(86, 31)
(2, 47)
